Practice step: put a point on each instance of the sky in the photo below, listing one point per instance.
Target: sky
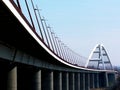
(81, 24)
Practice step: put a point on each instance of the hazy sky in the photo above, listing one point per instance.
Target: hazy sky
(81, 24)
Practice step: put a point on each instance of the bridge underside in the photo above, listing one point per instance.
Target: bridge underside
(18, 76)
(14, 33)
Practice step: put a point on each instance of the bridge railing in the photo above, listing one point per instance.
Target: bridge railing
(32, 14)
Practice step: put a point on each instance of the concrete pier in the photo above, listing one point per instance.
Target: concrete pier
(77, 81)
(57, 80)
(65, 81)
(38, 80)
(12, 79)
(47, 80)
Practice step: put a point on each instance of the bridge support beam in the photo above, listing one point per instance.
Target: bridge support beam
(12, 79)
(77, 81)
(47, 80)
(87, 81)
(38, 80)
(109, 79)
(82, 81)
(57, 80)
(106, 80)
(96, 80)
(92, 84)
(28, 78)
(65, 81)
(71, 81)
(103, 77)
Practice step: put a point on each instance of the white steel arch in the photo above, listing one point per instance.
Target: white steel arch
(99, 59)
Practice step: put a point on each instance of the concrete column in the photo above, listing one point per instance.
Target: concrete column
(87, 81)
(82, 81)
(77, 81)
(12, 79)
(106, 79)
(102, 82)
(28, 78)
(71, 81)
(96, 80)
(92, 80)
(60, 81)
(60, 78)
(51, 81)
(38, 80)
(65, 81)
(47, 80)
(67, 77)
(57, 80)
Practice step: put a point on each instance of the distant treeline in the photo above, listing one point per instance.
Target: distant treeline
(116, 85)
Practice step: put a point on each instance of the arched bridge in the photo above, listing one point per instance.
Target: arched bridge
(32, 57)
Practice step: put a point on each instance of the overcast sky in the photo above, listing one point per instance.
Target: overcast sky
(81, 24)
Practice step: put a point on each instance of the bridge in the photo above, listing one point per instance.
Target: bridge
(32, 57)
